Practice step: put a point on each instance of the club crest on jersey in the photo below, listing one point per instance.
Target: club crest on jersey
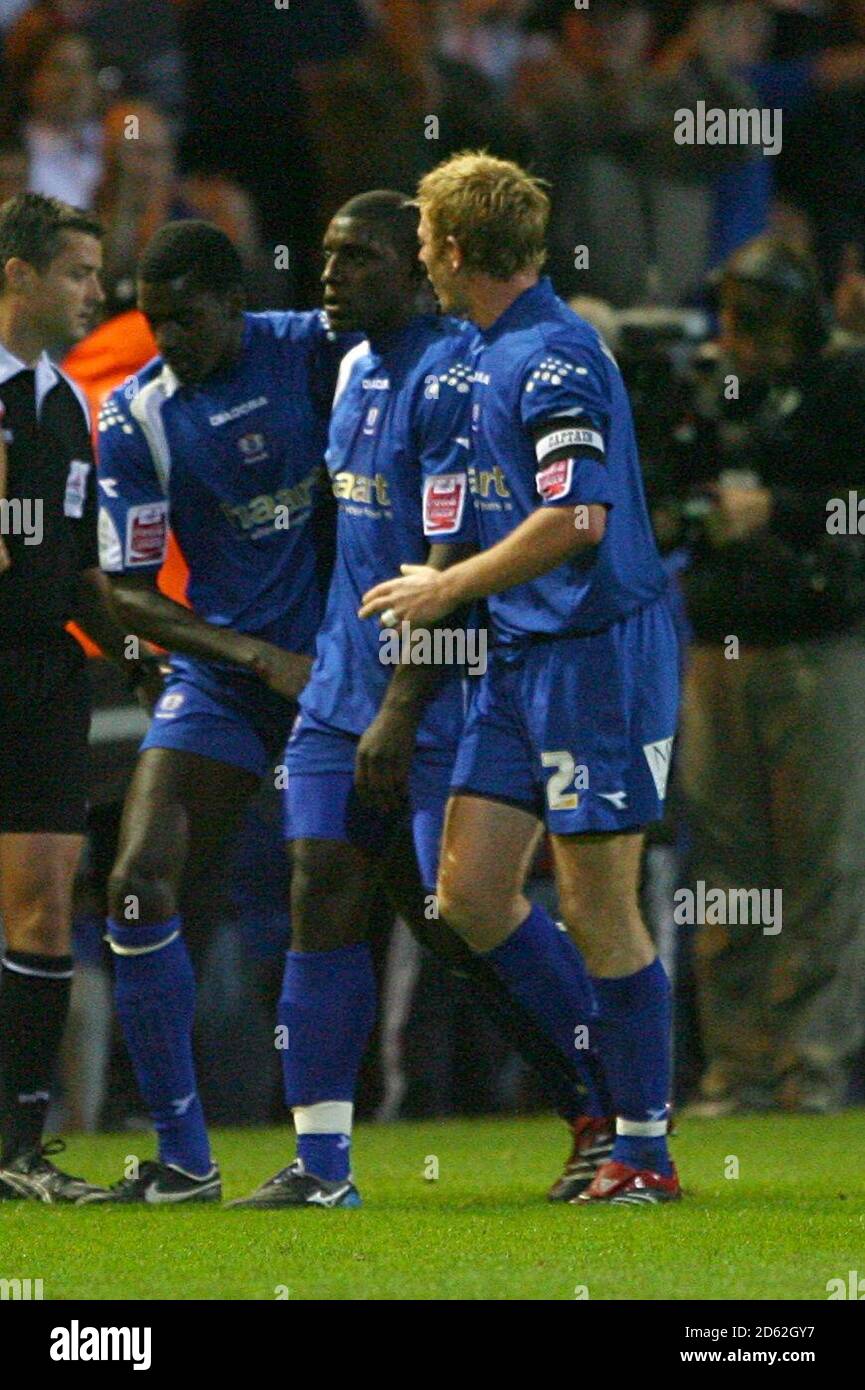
(252, 447)
(554, 481)
(443, 502)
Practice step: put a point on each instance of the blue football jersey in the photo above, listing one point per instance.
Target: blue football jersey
(551, 426)
(235, 466)
(400, 423)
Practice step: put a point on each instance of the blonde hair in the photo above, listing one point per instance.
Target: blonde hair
(495, 211)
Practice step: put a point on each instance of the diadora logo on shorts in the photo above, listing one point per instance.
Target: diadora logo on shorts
(225, 417)
(371, 419)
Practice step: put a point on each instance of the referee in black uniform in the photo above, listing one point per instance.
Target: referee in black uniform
(50, 259)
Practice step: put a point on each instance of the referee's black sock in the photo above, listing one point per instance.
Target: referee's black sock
(34, 1003)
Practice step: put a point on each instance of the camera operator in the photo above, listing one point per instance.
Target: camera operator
(772, 755)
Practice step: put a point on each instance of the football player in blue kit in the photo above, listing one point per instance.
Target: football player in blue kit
(573, 722)
(222, 437)
(370, 761)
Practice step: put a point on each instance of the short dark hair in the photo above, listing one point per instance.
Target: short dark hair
(33, 226)
(195, 250)
(395, 215)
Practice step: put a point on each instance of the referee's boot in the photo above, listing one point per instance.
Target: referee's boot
(162, 1184)
(31, 1176)
(295, 1187)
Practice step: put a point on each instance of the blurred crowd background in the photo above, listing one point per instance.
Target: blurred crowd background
(264, 117)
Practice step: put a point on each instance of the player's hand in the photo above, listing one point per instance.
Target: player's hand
(383, 760)
(5, 561)
(738, 514)
(421, 596)
(148, 685)
(284, 672)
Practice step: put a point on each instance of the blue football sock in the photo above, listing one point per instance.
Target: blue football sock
(545, 972)
(328, 1006)
(155, 995)
(635, 1022)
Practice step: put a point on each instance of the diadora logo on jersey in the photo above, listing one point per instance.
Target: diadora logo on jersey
(481, 480)
(111, 414)
(359, 487)
(276, 511)
(554, 370)
(554, 481)
(252, 447)
(371, 417)
(224, 417)
(376, 383)
(443, 502)
(460, 376)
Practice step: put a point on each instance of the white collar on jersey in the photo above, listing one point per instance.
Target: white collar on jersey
(47, 374)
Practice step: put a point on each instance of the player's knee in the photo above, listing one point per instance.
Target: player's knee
(466, 910)
(327, 906)
(136, 896)
(41, 925)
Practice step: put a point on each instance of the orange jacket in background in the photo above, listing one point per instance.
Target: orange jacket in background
(101, 361)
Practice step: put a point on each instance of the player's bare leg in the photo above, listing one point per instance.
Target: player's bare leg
(181, 810)
(37, 872)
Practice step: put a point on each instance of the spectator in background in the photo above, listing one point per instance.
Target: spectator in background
(51, 96)
(485, 35)
(602, 113)
(248, 116)
(141, 189)
(771, 763)
(387, 113)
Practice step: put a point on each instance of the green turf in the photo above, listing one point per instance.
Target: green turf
(793, 1219)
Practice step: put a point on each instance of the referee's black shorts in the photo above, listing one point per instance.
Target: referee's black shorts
(44, 725)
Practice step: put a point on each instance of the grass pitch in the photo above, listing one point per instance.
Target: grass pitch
(792, 1219)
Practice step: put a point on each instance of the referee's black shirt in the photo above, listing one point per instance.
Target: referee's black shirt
(51, 473)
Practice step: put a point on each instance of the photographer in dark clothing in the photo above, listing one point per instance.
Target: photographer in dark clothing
(758, 477)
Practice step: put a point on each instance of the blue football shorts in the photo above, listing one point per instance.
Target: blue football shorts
(226, 714)
(577, 730)
(322, 802)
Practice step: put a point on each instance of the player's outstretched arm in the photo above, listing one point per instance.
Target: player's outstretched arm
(543, 541)
(152, 615)
(95, 613)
